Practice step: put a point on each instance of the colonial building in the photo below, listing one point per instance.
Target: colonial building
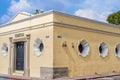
(54, 44)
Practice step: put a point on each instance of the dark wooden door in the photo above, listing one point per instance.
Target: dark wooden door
(20, 55)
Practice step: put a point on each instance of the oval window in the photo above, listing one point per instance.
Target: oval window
(117, 50)
(4, 49)
(83, 48)
(38, 47)
(103, 49)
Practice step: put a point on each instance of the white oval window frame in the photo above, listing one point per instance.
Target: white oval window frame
(36, 48)
(4, 49)
(86, 50)
(105, 50)
(117, 54)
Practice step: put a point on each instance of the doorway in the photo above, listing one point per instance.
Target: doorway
(19, 62)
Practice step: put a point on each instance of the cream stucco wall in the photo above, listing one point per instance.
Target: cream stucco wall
(38, 27)
(46, 58)
(4, 60)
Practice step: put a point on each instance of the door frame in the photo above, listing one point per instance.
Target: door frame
(26, 40)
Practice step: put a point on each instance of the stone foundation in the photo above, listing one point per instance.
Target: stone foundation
(52, 73)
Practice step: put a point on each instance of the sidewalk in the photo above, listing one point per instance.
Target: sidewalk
(111, 76)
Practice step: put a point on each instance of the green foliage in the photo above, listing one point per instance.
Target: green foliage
(114, 18)
(38, 11)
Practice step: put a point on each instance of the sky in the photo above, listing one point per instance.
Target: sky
(92, 9)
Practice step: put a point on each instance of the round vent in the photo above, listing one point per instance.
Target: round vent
(4, 49)
(83, 48)
(38, 47)
(103, 49)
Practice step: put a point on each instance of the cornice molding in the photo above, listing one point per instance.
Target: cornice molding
(60, 25)
(27, 28)
(85, 28)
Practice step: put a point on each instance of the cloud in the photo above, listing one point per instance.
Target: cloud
(85, 13)
(21, 5)
(92, 14)
(93, 9)
(66, 6)
(97, 9)
(15, 7)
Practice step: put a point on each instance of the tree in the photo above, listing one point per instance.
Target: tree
(38, 11)
(114, 18)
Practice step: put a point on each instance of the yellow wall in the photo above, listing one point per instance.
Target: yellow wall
(69, 57)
